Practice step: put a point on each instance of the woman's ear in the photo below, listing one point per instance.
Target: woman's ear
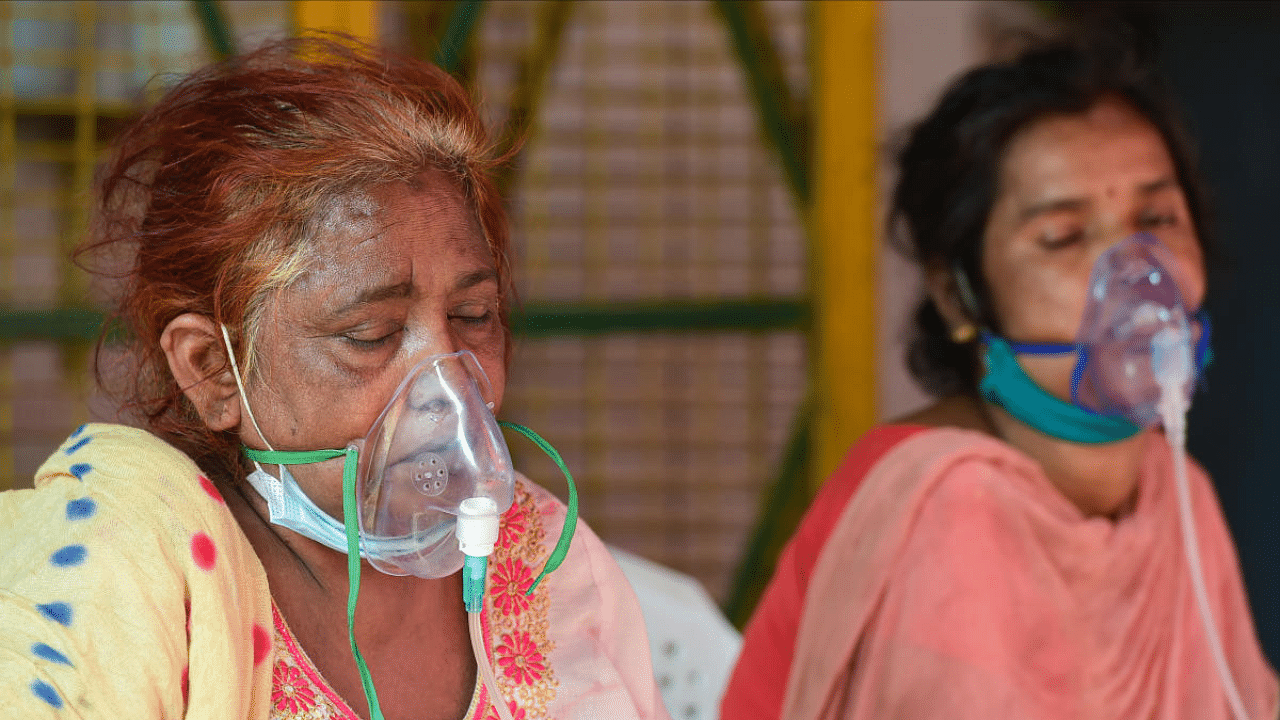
(198, 361)
(941, 283)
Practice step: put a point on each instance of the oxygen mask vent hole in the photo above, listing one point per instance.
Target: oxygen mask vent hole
(431, 475)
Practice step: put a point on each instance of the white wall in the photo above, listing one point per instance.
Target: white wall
(923, 46)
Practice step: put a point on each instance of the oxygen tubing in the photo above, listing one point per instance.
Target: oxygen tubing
(1175, 429)
(484, 668)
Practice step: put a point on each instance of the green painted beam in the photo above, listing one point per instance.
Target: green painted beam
(782, 505)
(780, 119)
(534, 320)
(457, 31)
(217, 31)
(538, 320)
(64, 324)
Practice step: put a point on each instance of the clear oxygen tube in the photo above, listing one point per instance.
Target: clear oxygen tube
(477, 532)
(1174, 369)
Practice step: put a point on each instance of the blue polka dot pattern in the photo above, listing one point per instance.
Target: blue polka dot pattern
(79, 469)
(79, 444)
(48, 653)
(45, 692)
(81, 509)
(68, 556)
(59, 612)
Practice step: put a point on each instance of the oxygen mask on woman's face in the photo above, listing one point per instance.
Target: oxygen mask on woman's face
(1135, 330)
(421, 493)
(1135, 327)
(434, 446)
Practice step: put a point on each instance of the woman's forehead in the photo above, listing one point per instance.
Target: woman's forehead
(422, 238)
(1110, 142)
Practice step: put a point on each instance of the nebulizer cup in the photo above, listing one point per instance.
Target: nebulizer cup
(1136, 359)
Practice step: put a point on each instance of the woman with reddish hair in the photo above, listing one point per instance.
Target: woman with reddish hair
(317, 516)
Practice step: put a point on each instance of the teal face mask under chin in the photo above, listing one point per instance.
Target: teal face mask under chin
(1007, 385)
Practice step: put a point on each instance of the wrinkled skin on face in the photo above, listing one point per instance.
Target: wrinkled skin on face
(399, 276)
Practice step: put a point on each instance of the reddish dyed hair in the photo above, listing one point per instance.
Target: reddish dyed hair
(218, 191)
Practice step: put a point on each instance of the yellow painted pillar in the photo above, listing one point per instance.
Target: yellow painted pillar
(844, 225)
(358, 18)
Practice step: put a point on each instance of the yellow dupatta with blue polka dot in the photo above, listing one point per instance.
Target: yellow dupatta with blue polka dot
(128, 590)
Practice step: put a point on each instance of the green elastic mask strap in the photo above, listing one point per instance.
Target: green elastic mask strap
(571, 512)
(349, 465)
(1007, 385)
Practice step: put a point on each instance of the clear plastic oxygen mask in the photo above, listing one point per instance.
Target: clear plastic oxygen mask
(422, 492)
(1133, 299)
(1138, 359)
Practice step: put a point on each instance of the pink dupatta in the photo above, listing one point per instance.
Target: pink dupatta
(960, 583)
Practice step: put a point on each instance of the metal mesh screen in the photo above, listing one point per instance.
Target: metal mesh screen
(646, 178)
(70, 74)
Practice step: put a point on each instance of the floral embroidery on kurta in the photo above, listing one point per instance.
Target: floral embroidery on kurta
(518, 633)
(515, 629)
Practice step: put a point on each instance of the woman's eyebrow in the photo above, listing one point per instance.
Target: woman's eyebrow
(377, 293)
(1052, 206)
(1155, 186)
(474, 278)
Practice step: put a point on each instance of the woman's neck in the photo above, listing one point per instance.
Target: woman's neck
(1100, 480)
(401, 622)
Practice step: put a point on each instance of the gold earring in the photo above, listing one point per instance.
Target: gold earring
(964, 334)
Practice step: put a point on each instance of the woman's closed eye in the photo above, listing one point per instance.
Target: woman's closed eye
(1152, 219)
(1058, 239)
(370, 339)
(475, 315)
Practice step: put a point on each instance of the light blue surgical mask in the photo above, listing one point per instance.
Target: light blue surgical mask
(288, 506)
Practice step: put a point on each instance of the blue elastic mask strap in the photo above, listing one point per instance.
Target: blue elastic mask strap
(1204, 348)
(1035, 348)
(1007, 385)
(349, 464)
(571, 512)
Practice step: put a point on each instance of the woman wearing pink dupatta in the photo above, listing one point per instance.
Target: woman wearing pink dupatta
(1003, 553)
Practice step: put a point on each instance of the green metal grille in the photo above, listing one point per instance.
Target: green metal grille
(71, 73)
(654, 222)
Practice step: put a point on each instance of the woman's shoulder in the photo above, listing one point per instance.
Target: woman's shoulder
(915, 469)
(910, 447)
(121, 481)
(538, 519)
(100, 453)
(124, 552)
(582, 626)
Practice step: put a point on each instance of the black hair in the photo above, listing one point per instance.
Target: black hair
(949, 165)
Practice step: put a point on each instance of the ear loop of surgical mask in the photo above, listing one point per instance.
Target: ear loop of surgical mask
(472, 537)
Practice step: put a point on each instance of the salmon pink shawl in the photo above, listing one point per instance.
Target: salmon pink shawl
(959, 583)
